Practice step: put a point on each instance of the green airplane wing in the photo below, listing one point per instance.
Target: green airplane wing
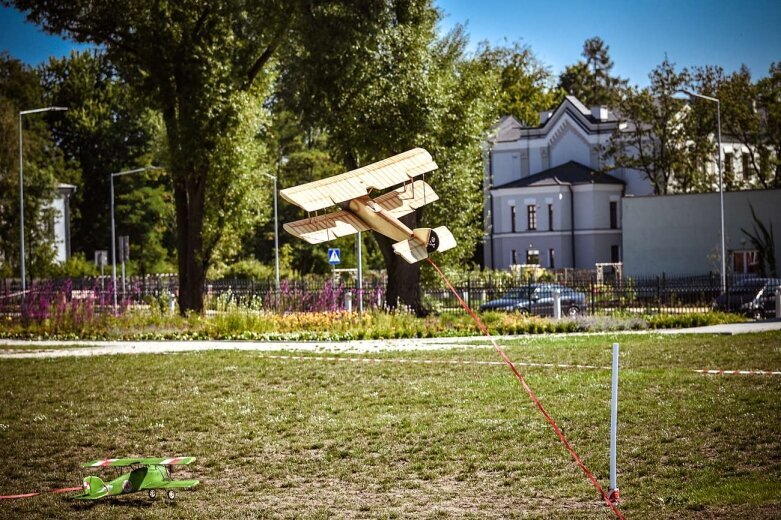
(145, 461)
(172, 484)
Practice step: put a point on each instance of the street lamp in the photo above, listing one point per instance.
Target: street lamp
(21, 189)
(113, 239)
(276, 231)
(721, 185)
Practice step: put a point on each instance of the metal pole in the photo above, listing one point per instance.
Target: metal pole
(21, 211)
(113, 238)
(721, 205)
(21, 192)
(360, 273)
(276, 239)
(113, 248)
(614, 425)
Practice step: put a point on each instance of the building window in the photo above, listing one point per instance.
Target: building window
(533, 257)
(550, 217)
(613, 215)
(531, 215)
(728, 163)
(745, 165)
(615, 254)
(746, 262)
(512, 219)
(514, 257)
(551, 259)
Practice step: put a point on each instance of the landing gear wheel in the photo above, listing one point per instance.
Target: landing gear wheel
(573, 311)
(152, 494)
(171, 494)
(758, 315)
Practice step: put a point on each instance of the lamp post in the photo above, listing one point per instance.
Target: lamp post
(113, 239)
(21, 190)
(721, 185)
(276, 232)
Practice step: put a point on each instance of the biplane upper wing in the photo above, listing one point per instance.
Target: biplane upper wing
(407, 199)
(326, 227)
(383, 174)
(147, 461)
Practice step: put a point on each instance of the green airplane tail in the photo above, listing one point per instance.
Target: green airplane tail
(94, 487)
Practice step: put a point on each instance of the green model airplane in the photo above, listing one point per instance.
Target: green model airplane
(148, 474)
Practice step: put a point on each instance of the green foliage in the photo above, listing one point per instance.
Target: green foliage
(658, 142)
(764, 242)
(250, 269)
(108, 129)
(77, 266)
(43, 167)
(590, 81)
(522, 83)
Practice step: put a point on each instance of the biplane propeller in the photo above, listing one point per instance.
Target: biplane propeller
(147, 474)
(359, 212)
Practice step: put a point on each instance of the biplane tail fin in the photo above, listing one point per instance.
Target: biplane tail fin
(426, 241)
(94, 488)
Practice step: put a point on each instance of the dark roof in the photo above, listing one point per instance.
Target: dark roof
(572, 173)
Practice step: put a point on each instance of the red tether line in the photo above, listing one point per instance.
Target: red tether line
(28, 495)
(531, 393)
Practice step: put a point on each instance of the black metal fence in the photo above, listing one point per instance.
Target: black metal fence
(582, 292)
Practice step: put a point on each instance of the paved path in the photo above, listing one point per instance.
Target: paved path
(38, 349)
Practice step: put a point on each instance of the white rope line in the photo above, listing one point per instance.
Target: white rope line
(428, 361)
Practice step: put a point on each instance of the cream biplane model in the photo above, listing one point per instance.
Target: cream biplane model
(350, 192)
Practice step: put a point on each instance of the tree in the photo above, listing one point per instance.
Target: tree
(523, 83)
(205, 67)
(108, 129)
(658, 139)
(396, 88)
(20, 89)
(590, 81)
(769, 107)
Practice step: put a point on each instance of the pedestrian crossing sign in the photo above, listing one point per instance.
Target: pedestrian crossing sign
(334, 256)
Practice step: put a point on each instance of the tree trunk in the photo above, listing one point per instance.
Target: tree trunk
(403, 278)
(189, 199)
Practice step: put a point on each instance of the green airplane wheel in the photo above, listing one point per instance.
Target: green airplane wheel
(171, 494)
(152, 493)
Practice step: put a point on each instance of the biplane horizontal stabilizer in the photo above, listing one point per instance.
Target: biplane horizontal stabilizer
(424, 241)
(326, 227)
(412, 251)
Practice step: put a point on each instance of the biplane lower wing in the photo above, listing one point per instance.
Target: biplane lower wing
(326, 227)
(173, 484)
(407, 199)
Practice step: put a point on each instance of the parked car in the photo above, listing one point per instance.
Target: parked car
(537, 299)
(754, 297)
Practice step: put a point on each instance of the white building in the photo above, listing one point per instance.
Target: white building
(546, 201)
(61, 224)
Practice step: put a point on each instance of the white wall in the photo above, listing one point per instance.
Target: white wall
(680, 234)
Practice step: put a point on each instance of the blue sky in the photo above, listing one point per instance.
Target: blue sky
(639, 32)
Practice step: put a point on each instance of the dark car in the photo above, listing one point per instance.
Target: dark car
(538, 299)
(754, 297)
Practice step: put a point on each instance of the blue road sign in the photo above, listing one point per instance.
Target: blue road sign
(334, 256)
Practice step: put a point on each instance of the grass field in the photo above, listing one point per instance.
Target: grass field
(281, 438)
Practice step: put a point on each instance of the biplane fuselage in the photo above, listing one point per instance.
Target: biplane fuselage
(378, 219)
(359, 212)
